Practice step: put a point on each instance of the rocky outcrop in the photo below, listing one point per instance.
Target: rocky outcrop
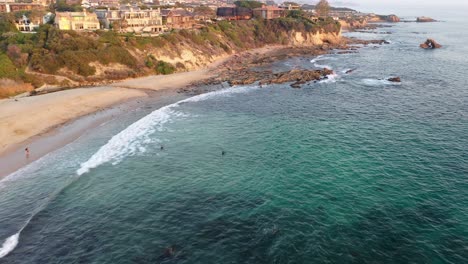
(392, 18)
(295, 77)
(353, 24)
(383, 18)
(430, 44)
(252, 67)
(394, 79)
(425, 19)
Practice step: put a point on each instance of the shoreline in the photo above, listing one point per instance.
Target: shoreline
(71, 112)
(62, 130)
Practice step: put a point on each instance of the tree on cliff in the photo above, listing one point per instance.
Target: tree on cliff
(322, 8)
(248, 4)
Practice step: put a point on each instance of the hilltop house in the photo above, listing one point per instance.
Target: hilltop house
(6, 7)
(109, 3)
(76, 21)
(290, 6)
(234, 13)
(178, 18)
(132, 19)
(269, 12)
(25, 24)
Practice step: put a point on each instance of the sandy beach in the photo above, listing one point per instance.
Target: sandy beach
(35, 121)
(31, 121)
(25, 117)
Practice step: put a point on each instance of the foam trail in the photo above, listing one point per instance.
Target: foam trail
(320, 58)
(378, 82)
(131, 140)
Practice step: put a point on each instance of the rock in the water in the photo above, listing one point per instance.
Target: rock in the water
(394, 79)
(296, 85)
(430, 44)
(425, 19)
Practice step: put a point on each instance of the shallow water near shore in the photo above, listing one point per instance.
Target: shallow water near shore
(351, 170)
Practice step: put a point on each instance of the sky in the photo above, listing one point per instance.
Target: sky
(401, 7)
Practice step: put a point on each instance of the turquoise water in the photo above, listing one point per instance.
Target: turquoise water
(353, 170)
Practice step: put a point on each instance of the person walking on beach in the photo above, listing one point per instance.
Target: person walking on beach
(26, 152)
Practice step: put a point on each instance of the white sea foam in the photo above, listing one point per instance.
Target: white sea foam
(378, 82)
(132, 140)
(331, 78)
(320, 58)
(316, 59)
(9, 244)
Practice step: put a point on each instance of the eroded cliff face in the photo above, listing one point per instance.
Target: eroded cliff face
(311, 39)
(187, 57)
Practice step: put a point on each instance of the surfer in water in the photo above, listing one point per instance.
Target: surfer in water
(26, 152)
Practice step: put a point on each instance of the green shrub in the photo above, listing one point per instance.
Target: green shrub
(164, 68)
(7, 68)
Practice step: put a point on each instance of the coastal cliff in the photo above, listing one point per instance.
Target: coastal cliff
(69, 59)
(187, 56)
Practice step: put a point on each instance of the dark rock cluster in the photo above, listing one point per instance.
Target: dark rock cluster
(430, 44)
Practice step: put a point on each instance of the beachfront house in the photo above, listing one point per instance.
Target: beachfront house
(25, 24)
(132, 19)
(79, 21)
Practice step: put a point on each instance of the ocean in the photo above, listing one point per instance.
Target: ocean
(354, 169)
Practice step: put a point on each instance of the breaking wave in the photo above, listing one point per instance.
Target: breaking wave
(132, 140)
(331, 78)
(9, 244)
(128, 142)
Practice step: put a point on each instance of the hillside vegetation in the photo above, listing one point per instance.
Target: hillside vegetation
(106, 55)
